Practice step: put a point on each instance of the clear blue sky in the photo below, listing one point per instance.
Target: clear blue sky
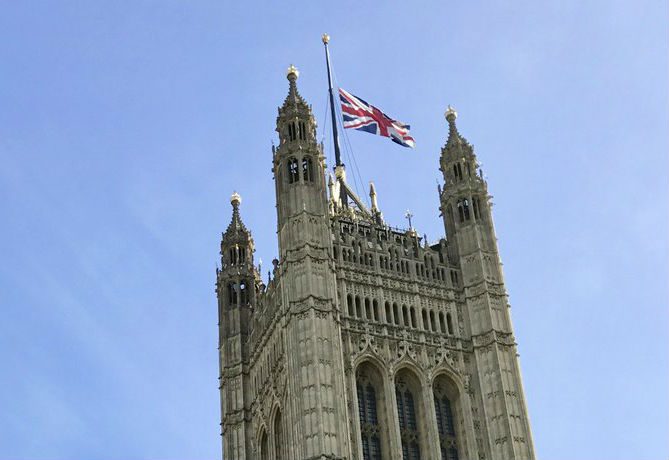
(125, 126)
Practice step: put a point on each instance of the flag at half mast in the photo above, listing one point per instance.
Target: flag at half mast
(362, 116)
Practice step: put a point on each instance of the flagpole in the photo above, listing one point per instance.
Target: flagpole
(326, 39)
(339, 166)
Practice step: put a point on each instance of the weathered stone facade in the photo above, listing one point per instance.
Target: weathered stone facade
(368, 342)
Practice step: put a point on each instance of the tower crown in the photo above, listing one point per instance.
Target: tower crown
(458, 160)
(295, 121)
(237, 242)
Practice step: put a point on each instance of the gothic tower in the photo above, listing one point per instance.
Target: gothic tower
(466, 207)
(368, 341)
(237, 284)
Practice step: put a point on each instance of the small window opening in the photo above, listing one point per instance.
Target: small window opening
(292, 171)
(307, 173)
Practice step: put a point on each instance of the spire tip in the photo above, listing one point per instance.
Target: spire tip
(292, 70)
(235, 199)
(451, 114)
(326, 39)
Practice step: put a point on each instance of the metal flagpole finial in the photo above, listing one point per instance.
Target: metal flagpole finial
(326, 39)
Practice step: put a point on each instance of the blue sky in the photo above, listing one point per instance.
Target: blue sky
(125, 126)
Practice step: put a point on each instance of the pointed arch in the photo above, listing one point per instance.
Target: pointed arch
(408, 395)
(277, 435)
(372, 407)
(263, 443)
(293, 172)
(446, 393)
(307, 169)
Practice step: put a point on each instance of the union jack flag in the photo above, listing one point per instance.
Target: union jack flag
(362, 116)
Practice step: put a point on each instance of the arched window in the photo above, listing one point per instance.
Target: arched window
(371, 412)
(293, 175)
(369, 420)
(303, 131)
(406, 414)
(442, 324)
(389, 315)
(476, 204)
(433, 325)
(405, 316)
(349, 304)
(425, 323)
(232, 295)
(279, 444)
(449, 322)
(358, 308)
(445, 422)
(396, 314)
(243, 293)
(375, 308)
(368, 309)
(292, 132)
(264, 447)
(307, 172)
(412, 311)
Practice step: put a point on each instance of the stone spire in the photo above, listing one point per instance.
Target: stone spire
(236, 231)
(457, 156)
(294, 101)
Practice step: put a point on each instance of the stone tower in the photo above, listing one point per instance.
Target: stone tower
(368, 342)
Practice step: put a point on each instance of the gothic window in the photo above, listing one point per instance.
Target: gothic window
(454, 277)
(463, 209)
(457, 171)
(264, 448)
(307, 170)
(358, 308)
(243, 293)
(232, 295)
(445, 422)
(396, 314)
(433, 325)
(368, 309)
(469, 169)
(389, 318)
(449, 323)
(476, 204)
(242, 255)
(293, 175)
(442, 324)
(303, 131)
(425, 323)
(349, 304)
(370, 412)
(279, 444)
(232, 256)
(375, 308)
(292, 134)
(405, 316)
(412, 311)
(406, 414)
